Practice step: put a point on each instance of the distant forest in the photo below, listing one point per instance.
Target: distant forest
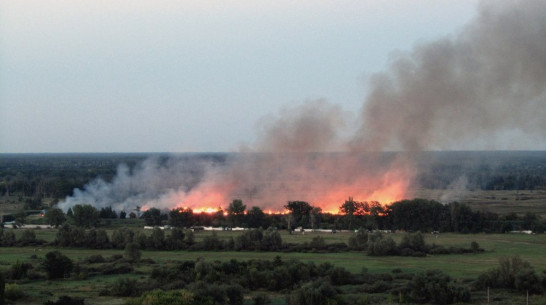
(32, 177)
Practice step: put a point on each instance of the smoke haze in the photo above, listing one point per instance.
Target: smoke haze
(481, 88)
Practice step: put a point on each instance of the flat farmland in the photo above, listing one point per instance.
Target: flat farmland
(500, 202)
(529, 247)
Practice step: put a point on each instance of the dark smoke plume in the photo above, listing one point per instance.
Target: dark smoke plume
(483, 88)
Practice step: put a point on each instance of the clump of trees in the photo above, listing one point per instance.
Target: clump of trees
(512, 273)
(436, 287)
(57, 265)
(406, 215)
(412, 244)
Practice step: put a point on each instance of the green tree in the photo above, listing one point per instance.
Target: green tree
(107, 212)
(152, 217)
(85, 216)
(435, 287)
(156, 240)
(359, 240)
(28, 237)
(8, 238)
(57, 265)
(55, 217)
(379, 245)
(132, 252)
(271, 240)
(320, 292)
(236, 212)
(256, 218)
(20, 217)
(300, 211)
(414, 241)
(180, 217)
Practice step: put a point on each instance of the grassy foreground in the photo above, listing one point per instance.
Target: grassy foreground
(528, 247)
(464, 266)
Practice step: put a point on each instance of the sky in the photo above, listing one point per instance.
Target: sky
(192, 76)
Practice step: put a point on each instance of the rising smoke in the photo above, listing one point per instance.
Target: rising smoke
(480, 89)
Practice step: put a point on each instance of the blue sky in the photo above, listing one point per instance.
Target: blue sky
(181, 76)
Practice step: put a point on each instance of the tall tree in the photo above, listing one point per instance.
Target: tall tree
(152, 217)
(107, 212)
(256, 218)
(180, 217)
(85, 216)
(300, 211)
(236, 212)
(55, 217)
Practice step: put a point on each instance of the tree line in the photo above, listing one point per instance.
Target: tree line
(406, 215)
(33, 177)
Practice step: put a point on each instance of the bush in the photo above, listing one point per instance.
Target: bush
(527, 280)
(318, 243)
(319, 292)
(57, 265)
(125, 287)
(19, 270)
(380, 245)
(234, 294)
(159, 297)
(414, 241)
(510, 271)
(95, 259)
(66, 300)
(261, 299)
(13, 292)
(132, 253)
(436, 287)
(116, 268)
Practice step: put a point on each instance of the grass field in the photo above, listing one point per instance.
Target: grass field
(500, 202)
(528, 247)
(464, 266)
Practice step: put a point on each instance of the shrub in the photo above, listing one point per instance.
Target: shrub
(66, 300)
(28, 238)
(527, 280)
(132, 253)
(94, 259)
(57, 265)
(125, 287)
(475, 247)
(414, 241)
(380, 245)
(159, 297)
(234, 294)
(434, 286)
(318, 243)
(261, 299)
(319, 292)
(359, 240)
(19, 270)
(13, 292)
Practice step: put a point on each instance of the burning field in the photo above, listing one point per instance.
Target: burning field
(479, 89)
